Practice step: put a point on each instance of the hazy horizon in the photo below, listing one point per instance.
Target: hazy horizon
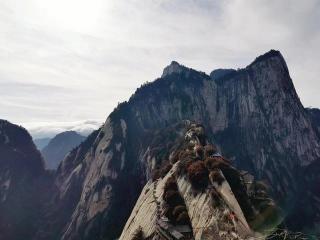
(49, 129)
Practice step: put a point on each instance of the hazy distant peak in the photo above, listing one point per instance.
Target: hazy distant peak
(51, 129)
(41, 142)
(59, 146)
(68, 133)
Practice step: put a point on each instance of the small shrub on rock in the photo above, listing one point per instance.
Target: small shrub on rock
(209, 150)
(199, 152)
(155, 174)
(168, 212)
(183, 218)
(183, 166)
(138, 234)
(178, 209)
(190, 146)
(198, 175)
(165, 169)
(210, 163)
(216, 197)
(215, 176)
(216, 162)
(170, 185)
(186, 154)
(259, 185)
(175, 157)
(172, 198)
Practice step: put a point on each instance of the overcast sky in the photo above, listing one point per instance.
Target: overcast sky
(64, 61)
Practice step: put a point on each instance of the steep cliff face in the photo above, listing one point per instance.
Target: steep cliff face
(22, 183)
(66, 191)
(59, 146)
(253, 114)
(304, 212)
(315, 117)
(258, 107)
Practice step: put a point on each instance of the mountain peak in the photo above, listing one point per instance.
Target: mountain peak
(59, 146)
(68, 133)
(174, 63)
(174, 67)
(270, 54)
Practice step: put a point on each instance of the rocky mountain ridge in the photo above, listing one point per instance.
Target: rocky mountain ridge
(197, 194)
(253, 114)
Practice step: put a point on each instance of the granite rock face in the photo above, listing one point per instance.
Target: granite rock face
(253, 114)
(204, 218)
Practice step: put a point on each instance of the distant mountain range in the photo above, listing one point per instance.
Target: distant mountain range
(41, 142)
(57, 148)
(40, 130)
(253, 115)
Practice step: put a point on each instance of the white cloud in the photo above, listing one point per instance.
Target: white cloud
(50, 129)
(73, 60)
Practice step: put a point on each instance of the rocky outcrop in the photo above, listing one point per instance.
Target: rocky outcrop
(144, 214)
(23, 183)
(205, 218)
(253, 114)
(59, 146)
(214, 211)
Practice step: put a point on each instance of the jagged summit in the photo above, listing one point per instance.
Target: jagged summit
(228, 73)
(273, 55)
(268, 55)
(175, 63)
(221, 73)
(174, 67)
